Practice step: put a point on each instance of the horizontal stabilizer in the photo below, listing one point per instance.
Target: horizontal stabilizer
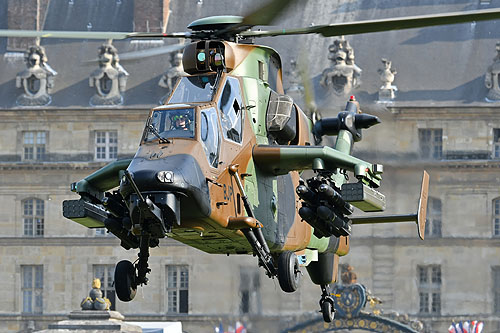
(419, 218)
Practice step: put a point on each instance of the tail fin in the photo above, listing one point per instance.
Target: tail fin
(422, 205)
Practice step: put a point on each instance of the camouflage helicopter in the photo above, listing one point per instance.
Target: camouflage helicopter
(219, 166)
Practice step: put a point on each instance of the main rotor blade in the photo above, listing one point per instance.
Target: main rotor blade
(89, 34)
(361, 27)
(151, 52)
(267, 13)
(261, 16)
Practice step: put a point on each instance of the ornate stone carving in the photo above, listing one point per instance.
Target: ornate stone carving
(37, 80)
(294, 79)
(170, 77)
(344, 75)
(349, 277)
(387, 91)
(491, 79)
(95, 301)
(110, 79)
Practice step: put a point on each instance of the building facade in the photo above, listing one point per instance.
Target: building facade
(439, 121)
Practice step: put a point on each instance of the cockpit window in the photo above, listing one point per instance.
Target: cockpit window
(210, 137)
(230, 105)
(194, 89)
(171, 123)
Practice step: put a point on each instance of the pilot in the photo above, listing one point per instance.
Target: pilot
(181, 121)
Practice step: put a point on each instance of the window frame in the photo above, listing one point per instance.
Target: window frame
(434, 223)
(109, 155)
(37, 223)
(495, 285)
(250, 291)
(234, 83)
(495, 210)
(495, 151)
(429, 289)
(32, 290)
(179, 290)
(38, 146)
(428, 146)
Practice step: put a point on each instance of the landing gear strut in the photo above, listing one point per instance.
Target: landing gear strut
(326, 304)
(126, 279)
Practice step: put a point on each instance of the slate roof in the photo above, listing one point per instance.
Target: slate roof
(436, 66)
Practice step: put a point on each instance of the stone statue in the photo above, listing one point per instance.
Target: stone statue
(344, 75)
(294, 79)
(387, 91)
(110, 79)
(95, 301)
(37, 80)
(491, 79)
(349, 277)
(170, 77)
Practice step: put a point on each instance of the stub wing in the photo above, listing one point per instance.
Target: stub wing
(419, 218)
(279, 160)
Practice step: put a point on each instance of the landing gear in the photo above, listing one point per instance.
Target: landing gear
(326, 304)
(126, 279)
(288, 271)
(125, 285)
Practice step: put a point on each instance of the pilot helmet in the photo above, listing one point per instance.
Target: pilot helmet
(181, 115)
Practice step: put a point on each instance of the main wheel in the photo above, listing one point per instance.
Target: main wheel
(125, 286)
(327, 310)
(288, 271)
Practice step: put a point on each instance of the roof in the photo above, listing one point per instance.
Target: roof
(435, 66)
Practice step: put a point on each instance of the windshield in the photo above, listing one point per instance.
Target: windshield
(194, 89)
(173, 123)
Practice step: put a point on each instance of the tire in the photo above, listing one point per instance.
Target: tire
(288, 271)
(125, 286)
(327, 310)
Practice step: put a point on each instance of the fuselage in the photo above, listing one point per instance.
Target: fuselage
(227, 116)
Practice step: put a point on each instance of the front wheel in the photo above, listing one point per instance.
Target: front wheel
(288, 271)
(125, 285)
(327, 310)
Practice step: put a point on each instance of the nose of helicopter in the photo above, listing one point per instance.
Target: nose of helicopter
(178, 174)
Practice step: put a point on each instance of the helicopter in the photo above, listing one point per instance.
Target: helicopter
(220, 164)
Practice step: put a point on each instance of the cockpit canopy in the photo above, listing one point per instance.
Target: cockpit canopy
(171, 123)
(194, 89)
(202, 109)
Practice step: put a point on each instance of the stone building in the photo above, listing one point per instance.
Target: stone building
(439, 121)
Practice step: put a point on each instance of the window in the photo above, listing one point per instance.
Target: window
(496, 289)
(177, 288)
(170, 123)
(431, 143)
(230, 105)
(496, 217)
(33, 217)
(433, 223)
(34, 146)
(496, 143)
(209, 132)
(250, 302)
(194, 89)
(429, 289)
(106, 274)
(106, 145)
(32, 288)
